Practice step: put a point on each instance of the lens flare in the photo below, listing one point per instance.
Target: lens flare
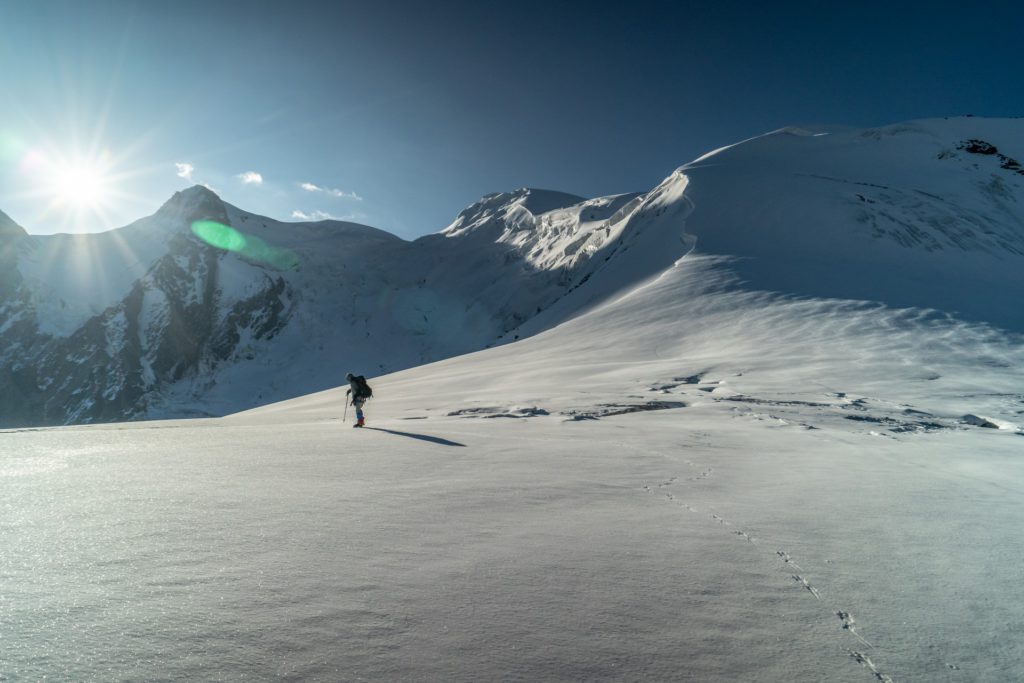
(249, 247)
(219, 235)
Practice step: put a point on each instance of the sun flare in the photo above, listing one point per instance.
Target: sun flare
(82, 185)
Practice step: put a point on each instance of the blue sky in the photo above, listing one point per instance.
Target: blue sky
(399, 114)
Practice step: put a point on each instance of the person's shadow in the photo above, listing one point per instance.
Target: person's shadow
(421, 437)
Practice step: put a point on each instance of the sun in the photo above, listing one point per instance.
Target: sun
(80, 185)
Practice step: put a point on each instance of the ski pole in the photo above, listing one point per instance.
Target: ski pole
(345, 416)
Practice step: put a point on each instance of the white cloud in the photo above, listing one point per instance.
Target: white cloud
(310, 187)
(313, 216)
(346, 195)
(185, 171)
(251, 178)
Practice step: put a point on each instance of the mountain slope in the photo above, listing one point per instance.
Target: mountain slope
(692, 479)
(701, 465)
(205, 309)
(918, 214)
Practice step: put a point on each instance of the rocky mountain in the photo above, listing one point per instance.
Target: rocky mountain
(206, 309)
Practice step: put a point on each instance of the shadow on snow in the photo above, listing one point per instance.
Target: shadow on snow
(422, 437)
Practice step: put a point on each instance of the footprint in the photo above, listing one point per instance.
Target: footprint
(848, 624)
(803, 582)
(787, 559)
(866, 662)
(703, 475)
(745, 535)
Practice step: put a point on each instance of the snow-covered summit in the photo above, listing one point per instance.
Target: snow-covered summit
(195, 203)
(822, 486)
(518, 208)
(148, 319)
(926, 213)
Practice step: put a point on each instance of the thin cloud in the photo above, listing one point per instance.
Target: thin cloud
(313, 216)
(185, 171)
(334, 192)
(251, 178)
(345, 195)
(324, 216)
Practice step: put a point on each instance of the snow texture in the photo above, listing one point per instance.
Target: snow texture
(680, 472)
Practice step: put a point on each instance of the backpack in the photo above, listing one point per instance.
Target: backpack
(364, 390)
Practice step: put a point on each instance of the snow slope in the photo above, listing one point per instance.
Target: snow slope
(700, 482)
(693, 482)
(688, 473)
(156, 320)
(150, 321)
(916, 214)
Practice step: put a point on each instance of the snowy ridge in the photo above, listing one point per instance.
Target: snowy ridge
(151, 321)
(179, 325)
(695, 463)
(550, 229)
(884, 214)
(811, 472)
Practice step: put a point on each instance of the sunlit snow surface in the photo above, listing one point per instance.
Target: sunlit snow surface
(691, 482)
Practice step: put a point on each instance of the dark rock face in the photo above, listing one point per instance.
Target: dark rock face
(264, 315)
(19, 335)
(987, 149)
(109, 367)
(978, 147)
(11, 235)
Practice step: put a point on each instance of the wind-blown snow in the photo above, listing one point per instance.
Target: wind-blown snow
(924, 215)
(683, 475)
(906, 214)
(693, 482)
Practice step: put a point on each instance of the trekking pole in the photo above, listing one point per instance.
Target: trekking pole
(345, 416)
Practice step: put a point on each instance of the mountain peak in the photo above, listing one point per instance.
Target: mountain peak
(499, 207)
(195, 203)
(197, 194)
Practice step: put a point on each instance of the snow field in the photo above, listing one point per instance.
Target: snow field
(683, 476)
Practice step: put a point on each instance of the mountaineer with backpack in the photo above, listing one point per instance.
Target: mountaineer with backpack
(360, 391)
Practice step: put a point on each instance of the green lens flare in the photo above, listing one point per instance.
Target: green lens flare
(248, 246)
(219, 235)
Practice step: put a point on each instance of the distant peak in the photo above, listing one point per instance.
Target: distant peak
(195, 203)
(194, 194)
(499, 208)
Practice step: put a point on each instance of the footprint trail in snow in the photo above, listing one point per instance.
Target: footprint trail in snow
(847, 621)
